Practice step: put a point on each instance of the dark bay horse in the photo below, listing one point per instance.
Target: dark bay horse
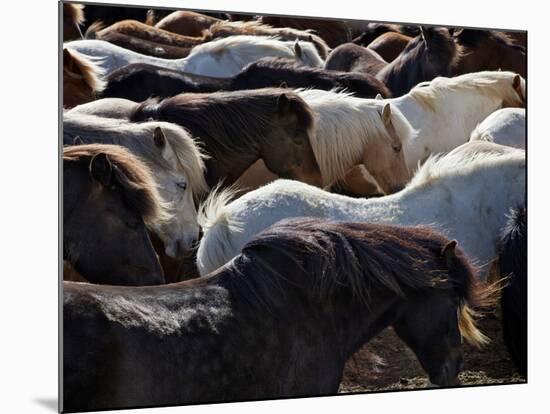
(140, 81)
(430, 54)
(238, 128)
(108, 198)
(280, 320)
(489, 50)
(512, 264)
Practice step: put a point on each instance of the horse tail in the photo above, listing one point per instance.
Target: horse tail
(95, 27)
(512, 263)
(217, 225)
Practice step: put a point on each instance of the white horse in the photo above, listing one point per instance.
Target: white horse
(174, 158)
(220, 58)
(351, 132)
(466, 194)
(505, 126)
(445, 111)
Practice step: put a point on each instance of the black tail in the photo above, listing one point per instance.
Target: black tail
(513, 264)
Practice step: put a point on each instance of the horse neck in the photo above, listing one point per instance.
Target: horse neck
(228, 168)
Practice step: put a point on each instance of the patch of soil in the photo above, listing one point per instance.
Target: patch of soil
(386, 363)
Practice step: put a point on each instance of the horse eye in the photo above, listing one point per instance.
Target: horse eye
(182, 186)
(397, 148)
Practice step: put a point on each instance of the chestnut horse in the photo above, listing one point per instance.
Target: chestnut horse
(390, 45)
(82, 79)
(108, 198)
(186, 23)
(279, 321)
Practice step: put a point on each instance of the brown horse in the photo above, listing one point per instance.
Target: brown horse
(73, 18)
(279, 321)
(390, 45)
(238, 128)
(430, 54)
(333, 32)
(81, 79)
(489, 50)
(186, 23)
(373, 31)
(108, 198)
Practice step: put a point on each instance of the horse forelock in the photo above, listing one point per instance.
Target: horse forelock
(135, 180)
(90, 73)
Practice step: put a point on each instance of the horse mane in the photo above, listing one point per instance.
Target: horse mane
(333, 109)
(91, 73)
(469, 157)
(133, 177)
(241, 119)
(138, 139)
(359, 258)
(74, 13)
(257, 28)
(493, 84)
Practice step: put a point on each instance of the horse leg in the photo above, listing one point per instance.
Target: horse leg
(358, 182)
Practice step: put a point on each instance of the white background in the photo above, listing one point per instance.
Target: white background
(28, 250)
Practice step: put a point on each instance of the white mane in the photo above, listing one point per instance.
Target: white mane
(494, 84)
(137, 137)
(344, 124)
(462, 161)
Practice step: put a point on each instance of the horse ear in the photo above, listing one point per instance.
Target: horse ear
(425, 33)
(298, 50)
(378, 97)
(448, 252)
(386, 114)
(101, 169)
(159, 137)
(78, 141)
(456, 32)
(516, 83)
(283, 103)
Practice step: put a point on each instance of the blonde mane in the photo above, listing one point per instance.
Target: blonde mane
(344, 125)
(493, 84)
(90, 73)
(138, 138)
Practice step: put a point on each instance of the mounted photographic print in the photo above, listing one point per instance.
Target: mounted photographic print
(259, 207)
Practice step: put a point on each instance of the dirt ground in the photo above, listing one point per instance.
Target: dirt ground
(386, 363)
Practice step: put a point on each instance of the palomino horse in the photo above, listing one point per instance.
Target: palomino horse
(443, 112)
(390, 45)
(222, 57)
(108, 198)
(238, 128)
(505, 126)
(174, 158)
(512, 264)
(280, 321)
(466, 194)
(358, 144)
(186, 23)
(73, 18)
(489, 50)
(140, 81)
(81, 79)
(432, 53)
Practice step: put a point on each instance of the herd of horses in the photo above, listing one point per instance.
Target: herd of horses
(248, 200)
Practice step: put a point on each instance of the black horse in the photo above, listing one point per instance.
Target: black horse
(280, 320)
(512, 261)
